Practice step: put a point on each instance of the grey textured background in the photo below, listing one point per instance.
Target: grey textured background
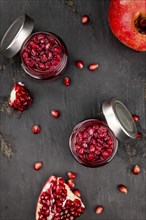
(121, 73)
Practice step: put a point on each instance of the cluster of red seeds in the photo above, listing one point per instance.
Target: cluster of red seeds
(94, 144)
(21, 99)
(53, 200)
(42, 52)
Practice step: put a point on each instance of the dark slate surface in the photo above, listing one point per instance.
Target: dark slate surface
(121, 73)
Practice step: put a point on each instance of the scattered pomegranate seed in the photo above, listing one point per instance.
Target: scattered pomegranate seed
(79, 64)
(38, 165)
(67, 81)
(55, 113)
(139, 135)
(71, 183)
(36, 129)
(85, 19)
(135, 117)
(99, 209)
(71, 175)
(123, 188)
(93, 66)
(77, 192)
(136, 170)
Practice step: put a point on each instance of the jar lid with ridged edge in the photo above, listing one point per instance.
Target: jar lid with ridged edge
(119, 119)
(15, 36)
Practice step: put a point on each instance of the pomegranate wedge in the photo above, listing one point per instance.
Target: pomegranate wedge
(57, 201)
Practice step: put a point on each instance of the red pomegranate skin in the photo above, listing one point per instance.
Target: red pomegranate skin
(122, 15)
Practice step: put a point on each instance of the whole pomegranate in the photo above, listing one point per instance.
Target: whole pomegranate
(19, 98)
(57, 201)
(127, 20)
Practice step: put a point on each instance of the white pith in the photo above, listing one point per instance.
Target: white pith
(13, 93)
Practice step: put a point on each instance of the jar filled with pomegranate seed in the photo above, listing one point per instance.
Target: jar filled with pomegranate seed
(94, 142)
(43, 54)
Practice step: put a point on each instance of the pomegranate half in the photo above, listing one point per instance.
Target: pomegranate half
(57, 201)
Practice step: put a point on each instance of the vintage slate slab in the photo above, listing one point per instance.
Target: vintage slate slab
(121, 73)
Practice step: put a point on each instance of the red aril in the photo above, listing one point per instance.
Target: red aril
(38, 165)
(71, 183)
(85, 19)
(79, 64)
(36, 129)
(66, 81)
(122, 188)
(71, 175)
(136, 170)
(93, 66)
(139, 135)
(55, 113)
(19, 98)
(77, 192)
(57, 201)
(135, 117)
(99, 209)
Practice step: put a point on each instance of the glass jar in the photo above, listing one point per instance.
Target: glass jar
(94, 142)
(43, 54)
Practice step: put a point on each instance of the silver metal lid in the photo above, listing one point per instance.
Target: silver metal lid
(119, 119)
(14, 37)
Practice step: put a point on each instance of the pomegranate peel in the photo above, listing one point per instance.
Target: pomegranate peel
(57, 201)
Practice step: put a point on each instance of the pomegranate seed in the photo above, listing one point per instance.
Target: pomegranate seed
(135, 117)
(79, 64)
(38, 165)
(123, 188)
(85, 19)
(77, 192)
(93, 66)
(71, 183)
(66, 81)
(139, 135)
(71, 175)
(99, 209)
(36, 129)
(136, 170)
(55, 113)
